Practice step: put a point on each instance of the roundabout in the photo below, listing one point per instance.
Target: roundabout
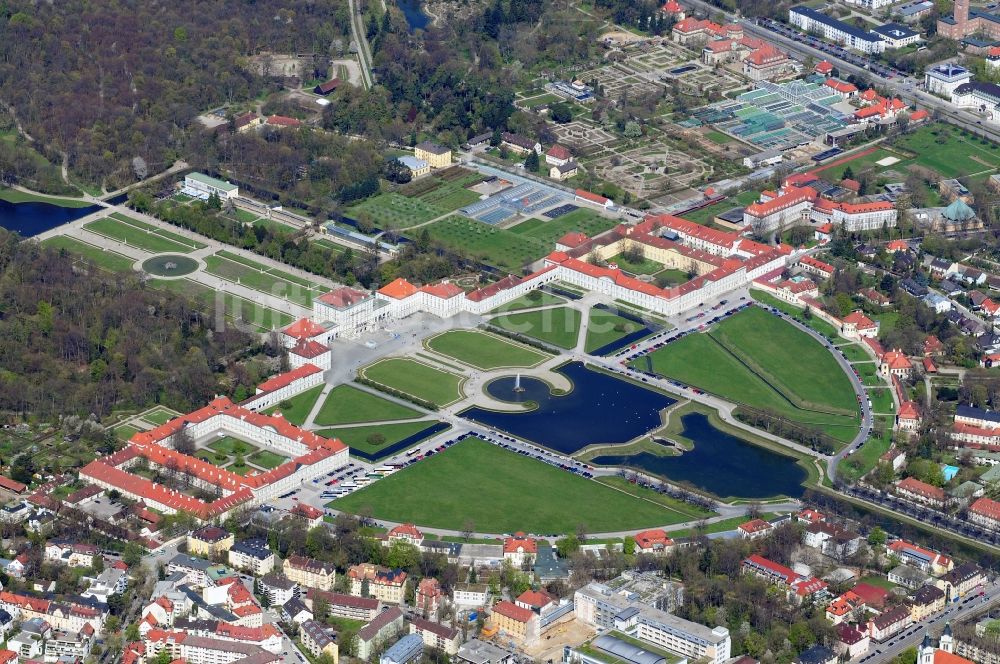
(169, 266)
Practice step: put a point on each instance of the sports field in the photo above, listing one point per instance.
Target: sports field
(703, 361)
(500, 491)
(483, 350)
(416, 379)
(605, 327)
(137, 237)
(301, 406)
(102, 258)
(346, 404)
(559, 327)
(496, 246)
(585, 221)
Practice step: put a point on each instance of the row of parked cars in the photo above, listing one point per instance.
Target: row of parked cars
(885, 71)
(543, 455)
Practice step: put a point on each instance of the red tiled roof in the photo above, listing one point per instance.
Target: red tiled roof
(406, 530)
(535, 598)
(444, 290)
(489, 291)
(513, 611)
(859, 320)
(871, 595)
(786, 573)
(558, 152)
(289, 377)
(308, 348)
(329, 86)
(594, 198)
(896, 360)
(755, 526)
(986, 507)
(308, 511)
(909, 411)
(765, 54)
(840, 86)
(818, 264)
(398, 289)
(720, 45)
(792, 196)
(12, 485)
(913, 485)
(647, 539)
(283, 121)
(899, 546)
(343, 297)
(897, 245)
(917, 116)
(304, 328)
(929, 365)
(824, 67)
(520, 541)
(672, 7)
(572, 239)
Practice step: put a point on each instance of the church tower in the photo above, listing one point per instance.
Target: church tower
(947, 643)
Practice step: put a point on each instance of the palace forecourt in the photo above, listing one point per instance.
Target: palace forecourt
(310, 455)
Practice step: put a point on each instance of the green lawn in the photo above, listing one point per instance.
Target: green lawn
(136, 237)
(125, 431)
(717, 136)
(394, 210)
(234, 308)
(500, 491)
(673, 276)
(821, 326)
(15, 196)
(854, 353)
(232, 446)
(158, 416)
(789, 359)
(299, 406)
(720, 526)
(886, 320)
(559, 327)
(706, 214)
(585, 221)
(484, 351)
(942, 148)
(881, 400)
(496, 246)
(861, 462)
(266, 459)
(346, 404)
(700, 360)
(644, 266)
(357, 437)
(102, 258)
(533, 299)
(878, 582)
(265, 282)
(176, 237)
(605, 327)
(623, 484)
(416, 379)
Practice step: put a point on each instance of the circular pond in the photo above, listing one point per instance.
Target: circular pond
(169, 265)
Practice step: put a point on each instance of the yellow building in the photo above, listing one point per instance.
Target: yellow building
(209, 541)
(384, 584)
(436, 155)
(671, 255)
(926, 601)
(515, 622)
(319, 640)
(310, 572)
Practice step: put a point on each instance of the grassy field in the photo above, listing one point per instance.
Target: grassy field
(357, 437)
(821, 326)
(234, 308)
(559, 327)
(719, 526)
(232, 446)
(606, 327)
(504, 249)
(475, 481)
(767, 344)
(548, 231)
(346, 404)
(102, 258)
(717, 137)
(136, 237)
(300, 406)
(15, 196)
(854, 353)
(699, 360)
(881, 400)
(159, 416)
(536, 298)
(706, 214)
(267, 459)
(483, 350)
(394, 210)
(176, 237)
(265, 281)
(862, 461)
(623, 484)
(416, 379)
(644, 266)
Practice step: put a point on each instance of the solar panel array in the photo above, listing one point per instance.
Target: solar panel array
(778, 115)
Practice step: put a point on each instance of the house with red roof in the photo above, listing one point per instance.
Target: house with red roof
(816, 267)
(986, 513)
(654, 542)
(823, 232)
(588, 198)
(283, 122)
(308, 330)
(307, 351)
(754, 529)
(858, 326)
(896, 246)
(406, 533)
(797, 586)
(851, 641)
(571, 240)
(674, 9)
(895, 363)
(921, 492)
(767, 63)
(558, 155)
(519, 549)
(537, 601)
(924, 559)
(843, 88)
(824, 68)
(428, 596)
(515, 622)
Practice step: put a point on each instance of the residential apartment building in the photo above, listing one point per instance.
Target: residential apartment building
(845, 34)
(927, 601)
(72, 554)
(309, 572)
(345, 606)
(386, 585)
(319, 640)
(436, 635)
(986, 513)
(385, 626)
(959, 582)
(209, 541)
(437, 156)
(599, 606)
(277, 588)
(470, 594)
(515, 622)
(204, 650)
(890, 623)
(921, 492)
(428, 596)
(252, 556)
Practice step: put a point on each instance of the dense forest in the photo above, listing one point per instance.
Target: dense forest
(81, 341)
(105, 82)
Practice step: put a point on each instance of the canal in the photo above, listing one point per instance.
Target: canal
(31, 218)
